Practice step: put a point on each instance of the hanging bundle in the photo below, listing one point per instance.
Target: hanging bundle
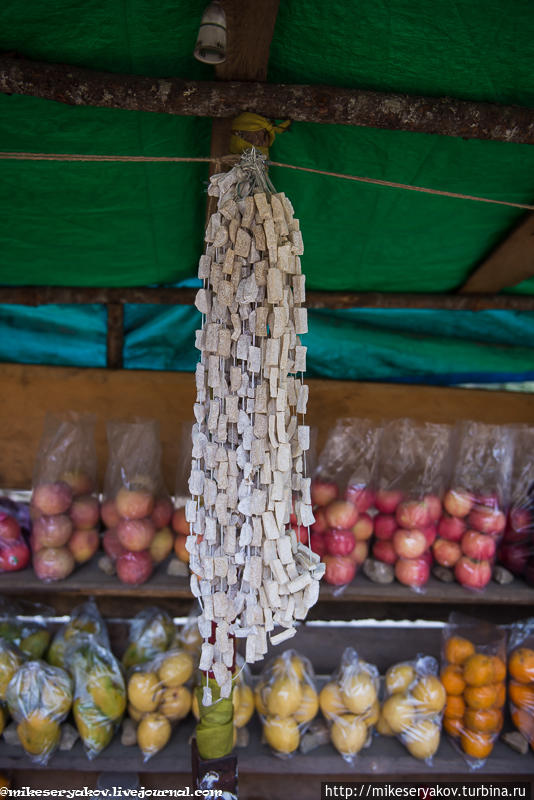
(248, 474)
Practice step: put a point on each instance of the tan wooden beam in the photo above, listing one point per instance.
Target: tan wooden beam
(324, 104)
(510, 263)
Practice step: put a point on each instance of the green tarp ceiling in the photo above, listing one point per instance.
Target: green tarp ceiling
(142, 224)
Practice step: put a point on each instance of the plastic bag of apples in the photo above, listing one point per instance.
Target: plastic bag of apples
(521, 678)
(516, 551)
(413, 706)
(412, 471)
(64, 505)
(473, 672)
(475, 505)
(342, 495)
(137, 509)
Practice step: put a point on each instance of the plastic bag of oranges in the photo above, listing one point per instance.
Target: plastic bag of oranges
(349, 702)
(11, 659)
(39, 697)
(99, 691)
(152, 631)
(84, 619)
(473, 672)
(286, 700)
(521, 678)
(413, 706)
(158, 698)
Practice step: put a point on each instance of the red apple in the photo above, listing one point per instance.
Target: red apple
(412, 514)
(478, 546)
(521, 520)
(110, 515)
(52, 531)
(85, 512)
(301, 533)
(317, 544)
(472, 574)
(83, 544)
(383, 550)
(434, 507)
(387, 501)
(339, 542)
(363, 529)
(409, 543)
(112, 545)
(136, 534)
(135, 568)
(487, 520)
(162, 545)
(412, 572)
(179, 522)
(52, 498)
(320, 525)
(134, 503)
(515, 556)
(451, 528)
(360, 552)
(431, 532)
(341, 514)
(385, 526)
(458, 502)
(180, 548)
(360, 496)
(14, 555)
(9, 527)
(446, 552)
(340, 570)
(79, 481)
(162, 512)
(293, 519)
(53, 563)
(323, 492)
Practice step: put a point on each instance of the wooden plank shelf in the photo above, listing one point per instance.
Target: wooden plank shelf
(90, 580)
(385, 757)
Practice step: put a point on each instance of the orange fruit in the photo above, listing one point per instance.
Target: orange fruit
(458, 649)
(501, 694)
(521, 665)
(499, 669)
(521, 696)
(486, 720)
(478, 670)
(454, 706)
(481, 696)
(453, 726)
(524, 722)
(452, 679)
(476, 745)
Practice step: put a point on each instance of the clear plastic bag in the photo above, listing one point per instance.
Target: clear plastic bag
(99, 691)
(521, 678)
(473, 672)
(84, 620)
(349, 703)
(64, 506)
(475, 506)
(152, 631)
(342, 493)
(136, 507)
(39, 698)
(24, 624)
(14, 550)
(287, 700)
(412, 710)
(516, 551)
(412, 472)
(158, 698)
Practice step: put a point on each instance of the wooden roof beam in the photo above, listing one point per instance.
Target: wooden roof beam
(323, 104)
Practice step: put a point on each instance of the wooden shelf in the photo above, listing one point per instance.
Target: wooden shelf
(385, 757)
(90, 580)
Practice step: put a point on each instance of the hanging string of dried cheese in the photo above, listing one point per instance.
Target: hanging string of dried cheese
(249, 571)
